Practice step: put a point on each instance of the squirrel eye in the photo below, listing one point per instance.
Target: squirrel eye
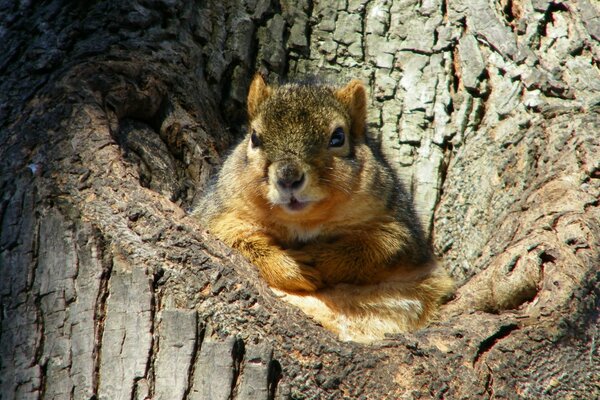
(254, 139)
(338, 138)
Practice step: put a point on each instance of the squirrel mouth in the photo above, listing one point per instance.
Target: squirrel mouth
(296, 205)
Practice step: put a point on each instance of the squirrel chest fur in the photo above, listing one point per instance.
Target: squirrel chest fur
(307, 200)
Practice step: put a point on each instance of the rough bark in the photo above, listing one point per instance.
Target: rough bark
(114, 114)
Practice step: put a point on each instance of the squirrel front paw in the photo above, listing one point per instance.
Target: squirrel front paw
(291, 271)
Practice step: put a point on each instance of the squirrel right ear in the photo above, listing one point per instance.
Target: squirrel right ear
(353, 96)
(258, 92)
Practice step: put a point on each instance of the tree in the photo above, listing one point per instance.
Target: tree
(114, 114)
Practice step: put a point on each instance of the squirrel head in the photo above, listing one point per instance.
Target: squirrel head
(303, 139)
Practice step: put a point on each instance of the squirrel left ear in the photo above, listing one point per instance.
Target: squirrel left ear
(258, 92)
(353, 96)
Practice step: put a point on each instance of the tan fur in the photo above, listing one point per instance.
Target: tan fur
(367, 313)
(258, 92)
(352, 255)
(354, 97)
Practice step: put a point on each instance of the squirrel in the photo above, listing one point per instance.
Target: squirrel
(309, 200)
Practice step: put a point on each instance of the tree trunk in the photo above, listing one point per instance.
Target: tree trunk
(114, 114)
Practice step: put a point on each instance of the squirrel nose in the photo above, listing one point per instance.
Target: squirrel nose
(289, 177)
(288, 184)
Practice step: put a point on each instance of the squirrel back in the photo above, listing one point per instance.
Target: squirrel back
(307, 198)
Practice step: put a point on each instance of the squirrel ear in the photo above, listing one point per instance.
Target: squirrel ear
(353, 96)
(258, 92)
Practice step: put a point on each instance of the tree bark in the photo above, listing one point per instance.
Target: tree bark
(113, 115)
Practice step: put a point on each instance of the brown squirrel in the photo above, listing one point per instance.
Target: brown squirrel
(308, 200)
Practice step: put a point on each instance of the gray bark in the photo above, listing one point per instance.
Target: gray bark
(113, 115)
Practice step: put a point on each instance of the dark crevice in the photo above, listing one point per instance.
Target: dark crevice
(546, 257)
(591, 204)
(454, 71)
(3, 207)
(308, 31)
(198, 341)
(423, 52)
(548, 16)
(578, 49)
(489, 381)
(35, 247)
(363, 34)
(237, 354)
(450, 107)
(134, 393)
(486, 345)
(100, 313)
(448, 150)
(484, 96)
(230, 108)
(155, 305)
(508, 11)
(39, 350)
(275, 375)
(43, 377)
(159, 160)
(3, 311)
(513, 263)
(10, 242)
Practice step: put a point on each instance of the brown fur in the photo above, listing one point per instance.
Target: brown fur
(354, 256)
